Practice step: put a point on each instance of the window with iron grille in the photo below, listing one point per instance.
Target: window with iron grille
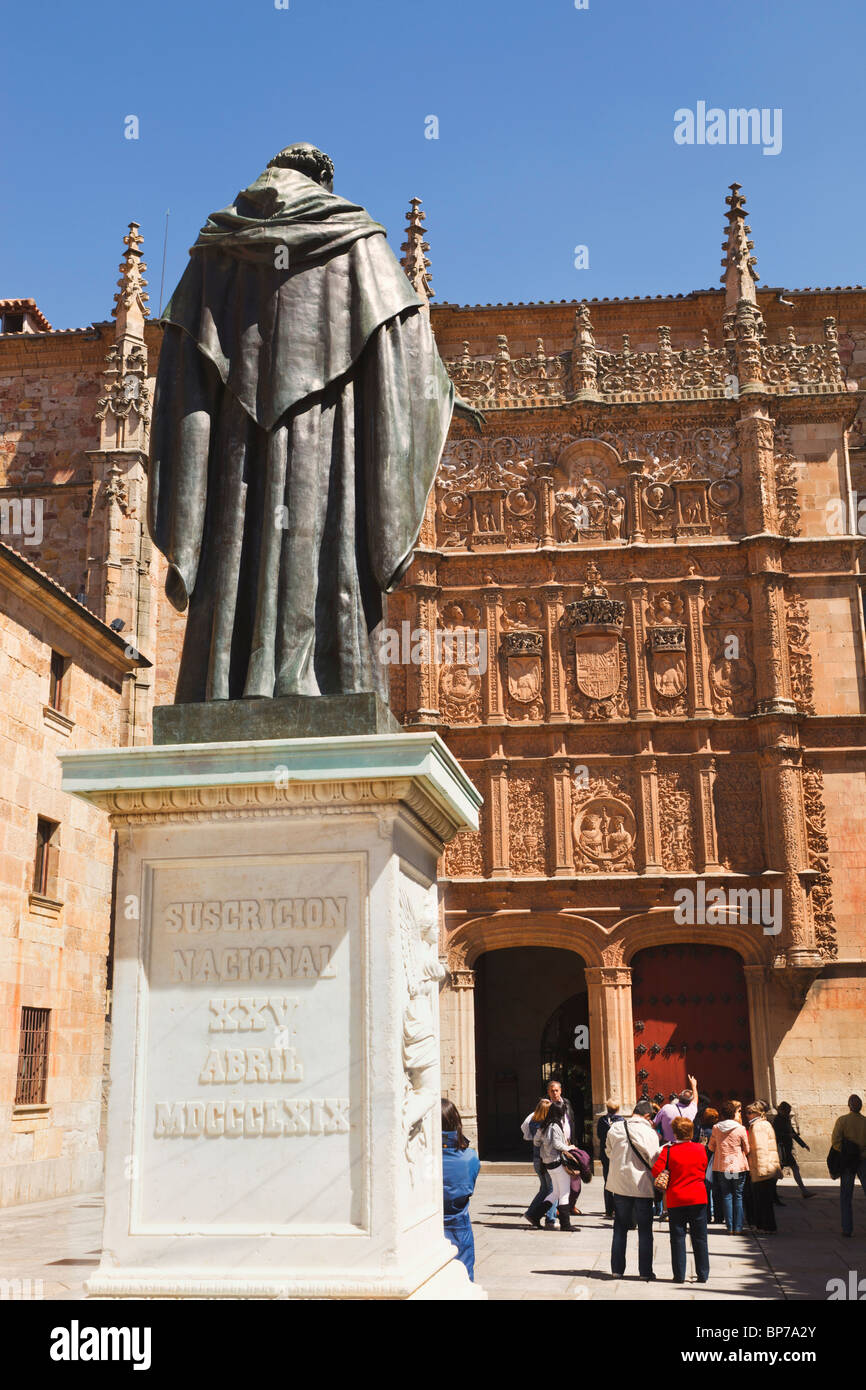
(45, 857)
(56, 684)
(32, 1057)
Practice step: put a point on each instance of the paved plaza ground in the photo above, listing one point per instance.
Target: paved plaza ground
(515, 1261)
(58, 1243)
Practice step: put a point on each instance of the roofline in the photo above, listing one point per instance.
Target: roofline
(644, 298)
(51, 596)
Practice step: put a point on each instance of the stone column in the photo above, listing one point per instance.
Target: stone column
(770, 635)
(546, 508)
(782, 791)
(762, 1056)
(611, 1034)
(422, 691)
(635, 501)
(495, 711)
(557, 700)
(697, 650)
(498, 819)
(637, 595)
(649, 821)
(708, 850)
(755, 434)
(464, 1094)
(560, 794)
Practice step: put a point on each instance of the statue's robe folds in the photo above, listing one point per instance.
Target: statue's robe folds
(300, 413)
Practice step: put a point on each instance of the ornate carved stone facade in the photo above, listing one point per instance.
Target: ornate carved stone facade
(639, 533)
(647, 642)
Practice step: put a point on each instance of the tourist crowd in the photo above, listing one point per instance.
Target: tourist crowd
(684, 1162)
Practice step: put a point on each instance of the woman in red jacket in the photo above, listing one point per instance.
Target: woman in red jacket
(686, 1199)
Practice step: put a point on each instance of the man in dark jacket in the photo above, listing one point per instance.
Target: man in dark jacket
(605, 1121)
(554, 1093)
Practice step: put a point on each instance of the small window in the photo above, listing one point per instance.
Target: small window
(13, 323)
(57, 680)
(44, 863)
(32, 1057)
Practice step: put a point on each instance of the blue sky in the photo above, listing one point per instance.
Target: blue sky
(555, 130)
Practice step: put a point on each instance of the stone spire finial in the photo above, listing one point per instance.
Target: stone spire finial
(584, 366)
(739, 278)
(414, 261)
(130, 303)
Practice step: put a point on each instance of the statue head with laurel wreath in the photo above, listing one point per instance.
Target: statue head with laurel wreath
(306, 159)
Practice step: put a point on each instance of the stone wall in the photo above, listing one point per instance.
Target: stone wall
(52, 952)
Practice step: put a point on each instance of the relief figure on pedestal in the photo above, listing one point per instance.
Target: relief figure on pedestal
(423, 975)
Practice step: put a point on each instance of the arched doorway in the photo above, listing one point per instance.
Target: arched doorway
(527, 998)
(691, 1015)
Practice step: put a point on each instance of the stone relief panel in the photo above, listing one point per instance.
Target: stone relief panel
(604, 826)
(458, 662)
(799, 652)
(727, 631)
(589, 494)
(493, 491)
(787, 493)
(818, 846)
(521, 654)
(527, 824)
(666, 651)
(486, 495)
(423, 973)
(739, 818)
(464, 856)
(595, 653)
(677, 820)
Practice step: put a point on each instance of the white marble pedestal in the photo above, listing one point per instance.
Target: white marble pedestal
(273, 1127)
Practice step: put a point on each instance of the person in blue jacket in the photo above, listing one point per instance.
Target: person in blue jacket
(460, 1166)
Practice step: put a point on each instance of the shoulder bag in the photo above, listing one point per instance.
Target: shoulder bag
(661, 1182)
(634, 1149)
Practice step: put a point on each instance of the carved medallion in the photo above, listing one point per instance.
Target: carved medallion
(460, 694)
(604, 835)
(732, 683)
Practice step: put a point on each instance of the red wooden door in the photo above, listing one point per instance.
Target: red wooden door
(691, 1015)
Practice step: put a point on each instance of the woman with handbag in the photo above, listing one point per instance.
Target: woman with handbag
(554, 1146)
(679, 1173)
(729, 1145)
(578, 1165)
(538, 1206)
(764, 1169)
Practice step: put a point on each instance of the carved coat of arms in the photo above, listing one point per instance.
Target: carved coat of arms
(668, 648)
(597, 665)
(522, 652)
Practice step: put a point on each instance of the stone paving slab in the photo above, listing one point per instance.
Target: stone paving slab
(58, 1243)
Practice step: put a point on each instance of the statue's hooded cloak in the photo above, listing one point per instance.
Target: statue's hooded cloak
(300, 413)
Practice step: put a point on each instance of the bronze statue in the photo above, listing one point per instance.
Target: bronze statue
(300, 413)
